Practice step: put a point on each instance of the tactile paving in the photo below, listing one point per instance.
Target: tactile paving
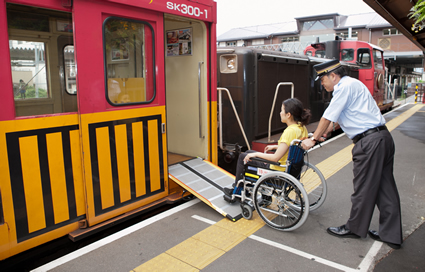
(220, 238)
(165, 263)
(243, 226)
(195, 253)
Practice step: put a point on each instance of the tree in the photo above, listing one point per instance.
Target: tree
(417, 12)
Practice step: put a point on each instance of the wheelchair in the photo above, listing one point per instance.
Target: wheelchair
(283, 199)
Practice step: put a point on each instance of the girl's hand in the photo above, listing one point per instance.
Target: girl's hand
(248, 157)
(270, 148)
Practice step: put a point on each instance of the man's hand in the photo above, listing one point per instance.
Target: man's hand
(307, 144)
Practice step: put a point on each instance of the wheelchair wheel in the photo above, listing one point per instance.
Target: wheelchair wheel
(281, 201)
(315, 185)
(246, 211)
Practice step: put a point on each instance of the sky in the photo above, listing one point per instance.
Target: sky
(241, 13)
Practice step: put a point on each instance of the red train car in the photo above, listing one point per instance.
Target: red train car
(369, 58)
(98, 98)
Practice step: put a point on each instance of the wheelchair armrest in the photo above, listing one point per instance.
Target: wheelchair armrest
(265, 161)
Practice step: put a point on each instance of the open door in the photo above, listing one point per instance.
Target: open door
(186, 88)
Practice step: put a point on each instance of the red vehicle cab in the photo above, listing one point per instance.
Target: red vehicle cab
(367, 56)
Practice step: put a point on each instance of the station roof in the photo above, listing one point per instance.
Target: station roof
(396, 13)
(365, 20)
(410, 59)
(260, 31)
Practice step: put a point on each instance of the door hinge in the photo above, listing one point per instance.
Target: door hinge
(163, 128)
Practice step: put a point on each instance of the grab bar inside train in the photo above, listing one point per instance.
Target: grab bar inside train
(200, 99)
(221, 119)
(274, 102)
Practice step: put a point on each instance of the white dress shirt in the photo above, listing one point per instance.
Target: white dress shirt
(353, 107)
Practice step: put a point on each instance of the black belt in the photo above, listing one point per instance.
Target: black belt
(367, 132)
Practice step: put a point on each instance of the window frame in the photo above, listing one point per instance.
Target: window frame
(46, 41)
(348, 50)
(377, 59)
(64, 72)
(390, 34)
(152, 69)
(361, 64)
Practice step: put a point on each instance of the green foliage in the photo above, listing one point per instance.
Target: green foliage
(417, 12)
(30, 93)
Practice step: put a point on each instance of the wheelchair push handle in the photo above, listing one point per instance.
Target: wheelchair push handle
(298, 142)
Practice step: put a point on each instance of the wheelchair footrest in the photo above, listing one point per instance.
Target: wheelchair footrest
(229, 199)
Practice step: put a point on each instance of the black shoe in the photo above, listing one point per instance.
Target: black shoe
(342, 232)
(228, 191)
(375, 236)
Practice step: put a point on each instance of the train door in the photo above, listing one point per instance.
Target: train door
(40, 177)
(121, 107)
(186, 88)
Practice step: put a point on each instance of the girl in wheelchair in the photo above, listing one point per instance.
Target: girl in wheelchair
(296, 118)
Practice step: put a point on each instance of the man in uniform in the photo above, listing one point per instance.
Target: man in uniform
(354, 109)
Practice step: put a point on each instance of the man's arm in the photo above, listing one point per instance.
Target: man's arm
(321, 128)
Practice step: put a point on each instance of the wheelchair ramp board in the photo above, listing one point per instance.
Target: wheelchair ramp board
(206, 181)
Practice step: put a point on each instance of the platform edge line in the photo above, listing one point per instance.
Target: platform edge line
(302, 254)
(113, 237)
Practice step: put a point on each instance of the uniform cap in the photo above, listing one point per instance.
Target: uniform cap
(326, 67)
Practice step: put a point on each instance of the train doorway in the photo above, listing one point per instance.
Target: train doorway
(186, 88)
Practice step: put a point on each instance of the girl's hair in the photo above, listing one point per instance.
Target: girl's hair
(296, 109)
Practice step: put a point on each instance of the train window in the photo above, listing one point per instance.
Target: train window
(320, 54)
(363, 58)
(377, 59)
(28, 61)
(129, 59)
(35, 63)
(70, 70)
(347, 54)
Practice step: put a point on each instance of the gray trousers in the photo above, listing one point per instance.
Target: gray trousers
(374, 184)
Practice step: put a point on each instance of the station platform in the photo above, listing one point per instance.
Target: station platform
(194, 237)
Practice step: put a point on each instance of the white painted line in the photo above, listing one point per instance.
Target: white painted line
(370, 257)
(363, 267)
(303, 254)
(203, 219)
(113, 237)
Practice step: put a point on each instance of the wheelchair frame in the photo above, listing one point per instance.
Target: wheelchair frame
(292, 202)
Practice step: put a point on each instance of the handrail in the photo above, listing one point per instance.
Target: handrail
(220, 111)
(274, 102)
(200, 98)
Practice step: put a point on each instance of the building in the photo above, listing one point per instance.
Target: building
(403, 58)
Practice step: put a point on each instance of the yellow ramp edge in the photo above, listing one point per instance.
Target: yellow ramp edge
(203, 248)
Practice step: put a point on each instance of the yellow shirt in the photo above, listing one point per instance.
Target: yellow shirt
(295, 131)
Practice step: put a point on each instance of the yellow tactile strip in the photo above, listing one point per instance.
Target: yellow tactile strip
(208, 245)
(204, 247)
